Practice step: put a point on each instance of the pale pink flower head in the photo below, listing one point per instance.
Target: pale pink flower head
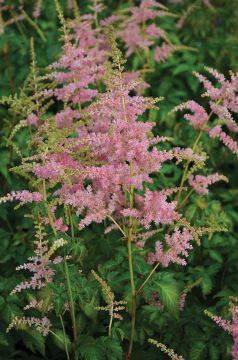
(163, 52)
(178, 243)
(200, 183)
(32, 119)
(199, 115)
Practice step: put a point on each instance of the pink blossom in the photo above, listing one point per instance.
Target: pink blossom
(32, 119)
(182, 300)
(199, 114)
(223, 103)
(110, 20)
(231, 326)
(41, 324)
(155, 208)
(226, 139)
(200, 183)
(178, 244)
(65, 118)
(155, 31)
(37, 10)
(40, 266)
(134, 39)
(163, 52)
(81, 71)
(140, 244)
(23, 196)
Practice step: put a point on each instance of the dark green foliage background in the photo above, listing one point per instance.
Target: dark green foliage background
(214, 33)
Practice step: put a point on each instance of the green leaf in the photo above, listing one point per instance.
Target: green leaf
(34, 341)
(214, 353)
(206, 285)
(60, 339)
(140, 265)
(112, 348)
(215, 255)
(90, 349)
(168, 291)
(197, 351)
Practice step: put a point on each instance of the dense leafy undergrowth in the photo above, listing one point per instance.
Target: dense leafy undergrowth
(118, 145)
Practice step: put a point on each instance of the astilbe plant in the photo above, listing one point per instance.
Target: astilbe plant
(93, 162)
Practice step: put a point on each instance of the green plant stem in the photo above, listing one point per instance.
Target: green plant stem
(110, 322)
(130, 261)
(35, 26)
(19, 26)
(185, 199)
(65, 341)
(71, 301)
(117, 225)
(147, 279)
(133, 298)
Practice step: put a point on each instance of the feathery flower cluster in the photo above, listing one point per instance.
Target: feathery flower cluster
(81, 72)
(166, 350)
(23, 196)
(138, 34)
(121, 145)
(200, 183)
(137, 28)
(231, 326)
(199, 116)
(132, 33)
(113, 307)
(40, 265)
(163, 52)
(178, 243)
(41, 324)
(223, 103)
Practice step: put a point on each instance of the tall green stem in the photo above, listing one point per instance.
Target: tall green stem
(71, 301)
(133, 298)
(110, 322)
(65, 341)
(147, 279)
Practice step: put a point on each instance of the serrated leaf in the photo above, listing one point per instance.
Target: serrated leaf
(90, 349)
(112, 348)
(197, 351)
(34, 341)
(168, 291)
(60, 339)
(140, 266)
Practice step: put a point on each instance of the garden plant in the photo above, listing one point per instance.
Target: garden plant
(118, 173)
